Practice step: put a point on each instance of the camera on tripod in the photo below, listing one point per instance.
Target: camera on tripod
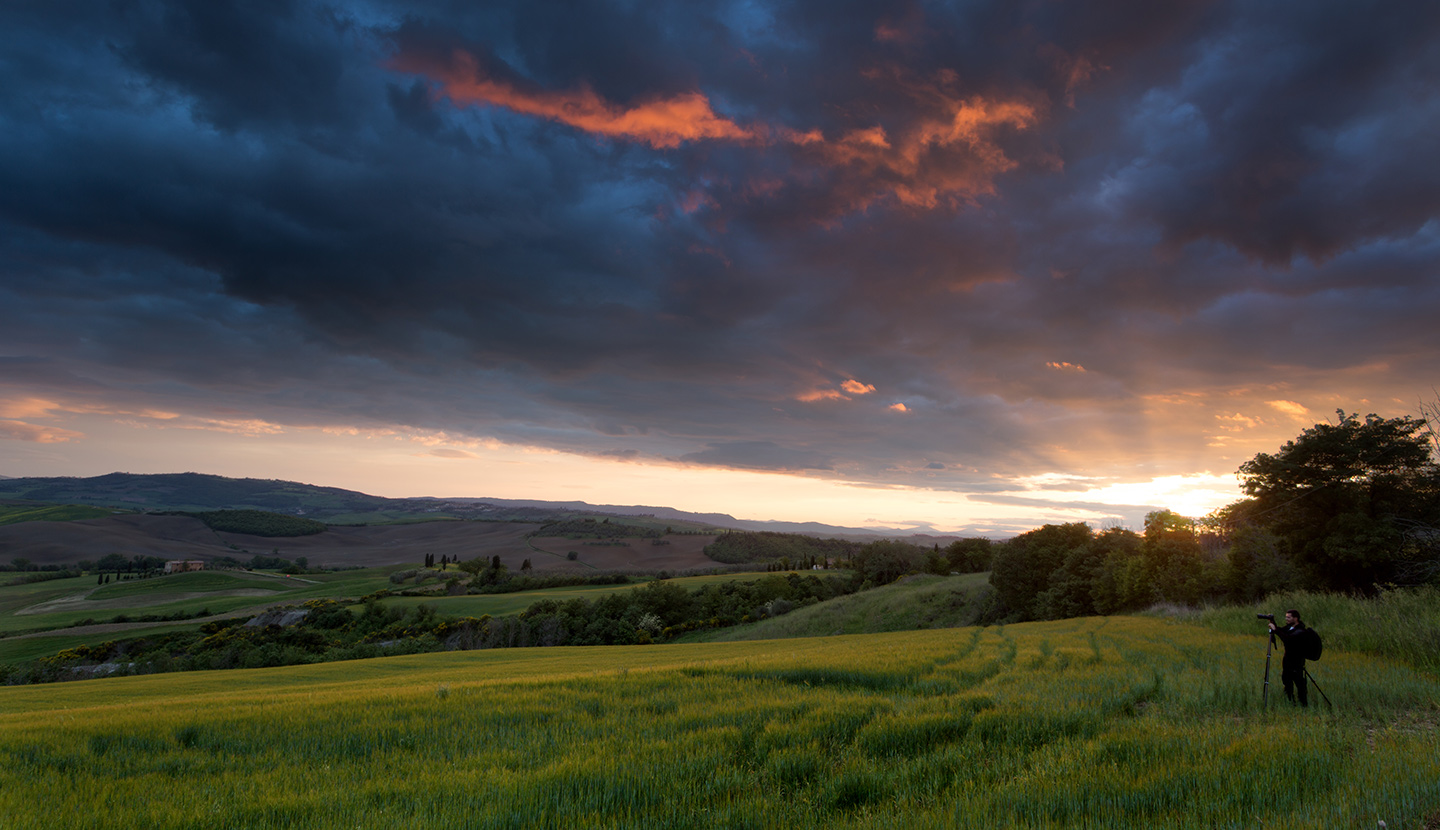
(1270, 617)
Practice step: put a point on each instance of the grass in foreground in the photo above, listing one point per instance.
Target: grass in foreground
(1400, 624)
(1120, 722)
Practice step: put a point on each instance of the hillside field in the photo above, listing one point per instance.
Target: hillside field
(57, 605)
(1120, 722)
(187, 537)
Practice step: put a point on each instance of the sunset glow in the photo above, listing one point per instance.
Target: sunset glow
(945, 269)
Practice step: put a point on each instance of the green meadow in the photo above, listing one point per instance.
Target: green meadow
(55, 605)
(17, 512)
(915, 602)
(1092, 722)
(498, 605)
(65, 602)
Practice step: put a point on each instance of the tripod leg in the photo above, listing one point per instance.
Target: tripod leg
(1265, 694)
(1318, 689)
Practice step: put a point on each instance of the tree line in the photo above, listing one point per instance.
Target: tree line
(743, 547)
(258, 523)
(1350, 507)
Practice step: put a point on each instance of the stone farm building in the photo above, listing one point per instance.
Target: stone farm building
(175, 566)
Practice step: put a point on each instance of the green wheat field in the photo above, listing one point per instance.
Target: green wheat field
(1096, 722)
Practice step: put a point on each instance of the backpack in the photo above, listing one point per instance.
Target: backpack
(1311, 644)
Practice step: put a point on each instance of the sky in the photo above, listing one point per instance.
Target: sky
(961, 267)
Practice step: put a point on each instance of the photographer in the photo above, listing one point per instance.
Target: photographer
(1292, 667)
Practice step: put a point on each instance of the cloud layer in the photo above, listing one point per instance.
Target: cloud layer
(895, 243)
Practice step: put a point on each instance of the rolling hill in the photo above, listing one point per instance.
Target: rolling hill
(333, 505)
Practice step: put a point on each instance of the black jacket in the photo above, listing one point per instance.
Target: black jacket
(1293, 638)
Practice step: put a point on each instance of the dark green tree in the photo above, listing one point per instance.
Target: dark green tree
(112, 562)
(1256, 566)
(1175, 563)
(885, 561)
(936, 563)
(969, 555)
(1121, 581)
(1353, 504)
(1023, 567)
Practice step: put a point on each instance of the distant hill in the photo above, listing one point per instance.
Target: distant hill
(192, 492)
(715, 520)
(199, 492)
(187, 537)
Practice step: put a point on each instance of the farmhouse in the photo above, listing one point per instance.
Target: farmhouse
(175, 566)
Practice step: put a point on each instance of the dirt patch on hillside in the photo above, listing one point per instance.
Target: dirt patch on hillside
(182, 537)
(79, 602)
(396, 544)
(65, 543)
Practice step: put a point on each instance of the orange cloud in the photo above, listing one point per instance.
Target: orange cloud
(661, 123)
(899, 407)
(1290, 408)
(852, 386)
(1066, 367)
(42, 408)
(234, 426)
(1237, 422)
(694, 200)
(946, 156)
(820, 395)
(444, 452)
(27, 408)
(940, 160)
(22, 431)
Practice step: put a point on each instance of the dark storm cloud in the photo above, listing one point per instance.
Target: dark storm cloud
(275, 63)
(1300, 130)
(666, 231)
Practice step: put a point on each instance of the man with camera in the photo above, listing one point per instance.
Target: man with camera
(1292, 666)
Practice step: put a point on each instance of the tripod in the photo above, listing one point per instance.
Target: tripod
(1318, 689)
(1265, 695)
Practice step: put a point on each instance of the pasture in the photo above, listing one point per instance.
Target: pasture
(57, 605)
(65, 602)
(16, 512)
(1114, 722)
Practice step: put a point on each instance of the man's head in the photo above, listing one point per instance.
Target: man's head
(1292, 616)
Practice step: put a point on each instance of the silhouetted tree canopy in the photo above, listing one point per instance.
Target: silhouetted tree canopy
(1352, 505)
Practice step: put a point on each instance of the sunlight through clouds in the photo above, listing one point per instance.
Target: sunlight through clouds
(948, 263)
